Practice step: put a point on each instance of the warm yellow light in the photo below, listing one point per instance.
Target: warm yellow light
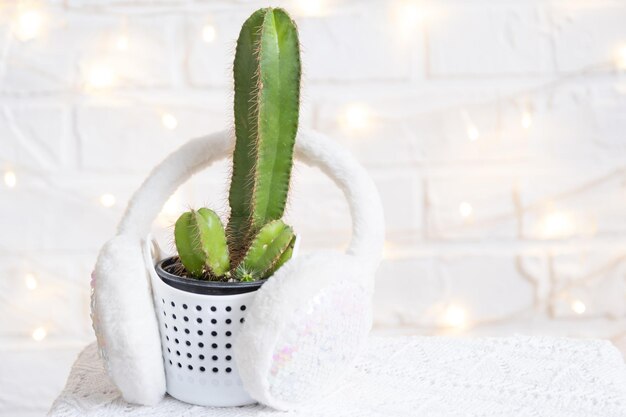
(578, 307)
(10, 179)
(527, 119)
(122, 43)
(357, 117)
(39, 334)
(620, 58)
(408, 15)
(208, 33)
(472, 133)
(100, 77)
(312, 7)
(455, 316)
(556, 224)
(29, 24)
(30, 281)
(465, 209)
(107, 200)
(169, 121)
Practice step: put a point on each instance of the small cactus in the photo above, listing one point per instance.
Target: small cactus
(201, 243)
(267, 95)
(266, 254)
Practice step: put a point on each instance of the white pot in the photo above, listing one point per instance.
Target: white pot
(199, 322)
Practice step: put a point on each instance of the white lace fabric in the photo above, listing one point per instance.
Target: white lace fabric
(416, 376)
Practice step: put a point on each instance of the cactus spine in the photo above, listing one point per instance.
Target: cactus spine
(267, 94)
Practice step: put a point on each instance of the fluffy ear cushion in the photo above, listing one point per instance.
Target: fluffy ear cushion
(306, 326)
(126, 326)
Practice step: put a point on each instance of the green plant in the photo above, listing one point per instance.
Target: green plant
(267, 93)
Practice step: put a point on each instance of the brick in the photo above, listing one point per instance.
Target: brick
(488, 41)
(591, 276)
(34, 136)
(595, 29)
(38, 65)
(129, 138)
(573, 204)
(471, 207)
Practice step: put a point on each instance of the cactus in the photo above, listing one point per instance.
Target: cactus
(201, 243)
(267, 94)
(271, 247)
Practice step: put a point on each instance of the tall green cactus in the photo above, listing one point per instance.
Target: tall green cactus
(267, 100)
(267, 94)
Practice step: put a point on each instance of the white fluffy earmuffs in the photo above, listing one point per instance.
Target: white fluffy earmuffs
(307, 322)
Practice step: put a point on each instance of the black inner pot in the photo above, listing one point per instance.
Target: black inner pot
(164, 268)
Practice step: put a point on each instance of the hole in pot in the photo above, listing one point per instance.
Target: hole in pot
(175, 328)
(176, 340)
(174, 316)
(241, 320)
(213, 308)
(202, 369)
(187, 331)
(243, 308)
(228, 308)
(228, 345)
(214, 345)
(228, 357)
(228, 321)
(200, 345)
(190, 367)
(199, 320)
(185, 306)
(201, 357)
(177, 353)
(188, 343)
(214, 333)
(189, 355)
(214, 358)
(179, 365)
(228, 370)
(173, 305)
(186, 318)
(215, 370)
(199, 308)
(213, 321)
(200, 332)
(228, 334)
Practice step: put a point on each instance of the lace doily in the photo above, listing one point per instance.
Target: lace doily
(417, 376)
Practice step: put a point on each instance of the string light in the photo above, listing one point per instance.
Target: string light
(556, 224)
(465, 209)
(100, 77)
(39, 334)
(455, 316)
(620, 58)
(356, 117)
(408, 14)
(578, 307)
(122, 43)
(208, 33)
(169, 121)
(527, 119)
(29, 24)
(312, 7)
(10, 179)
(107, 200)
(30, 281)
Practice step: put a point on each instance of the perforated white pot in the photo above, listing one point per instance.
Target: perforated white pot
(199, 322)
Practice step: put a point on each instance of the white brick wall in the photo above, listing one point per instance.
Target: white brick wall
(519, 230)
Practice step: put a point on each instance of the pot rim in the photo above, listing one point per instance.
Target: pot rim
(203, 287)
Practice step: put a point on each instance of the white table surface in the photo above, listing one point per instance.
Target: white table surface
(417, 376)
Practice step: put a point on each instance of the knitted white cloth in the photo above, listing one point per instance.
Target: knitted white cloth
(417, 376)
